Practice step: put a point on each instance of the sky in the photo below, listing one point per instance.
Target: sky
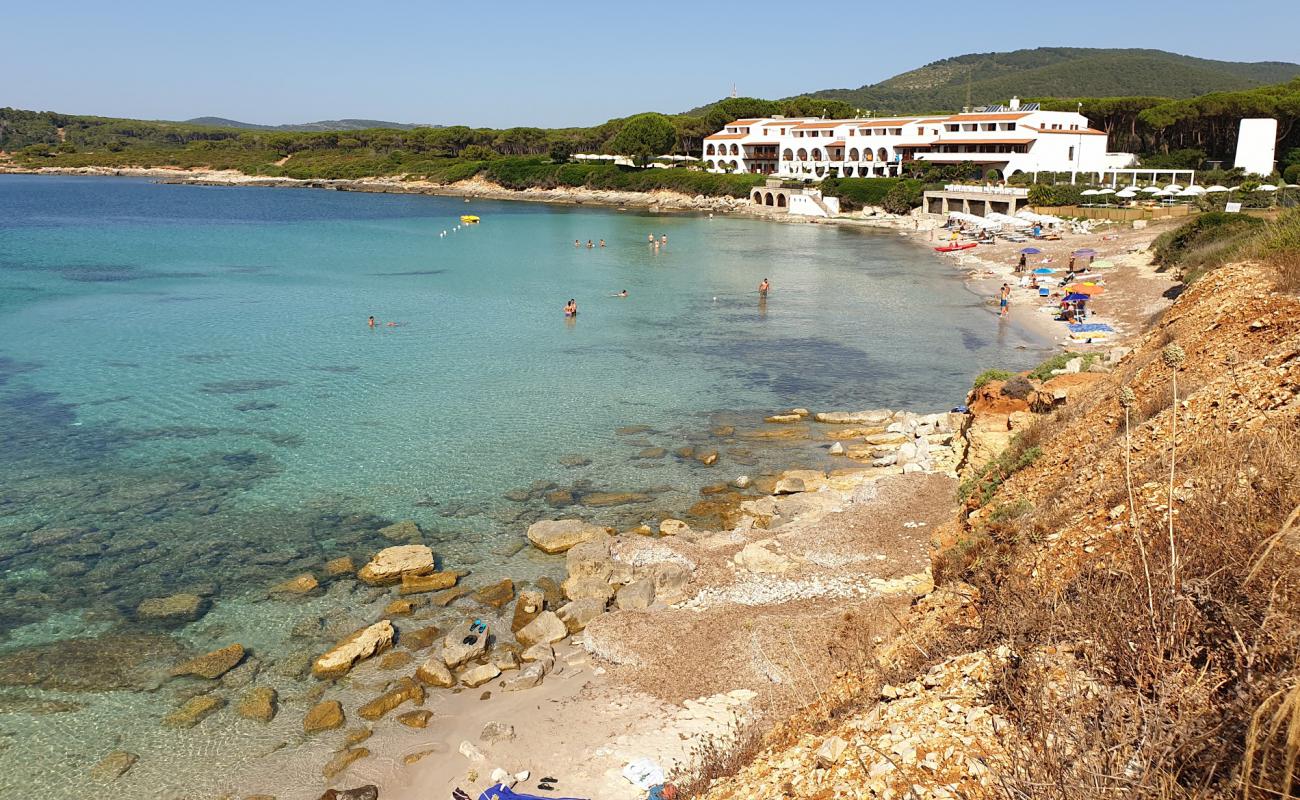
(548, 64)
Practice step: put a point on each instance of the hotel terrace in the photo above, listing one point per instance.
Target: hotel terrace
(1001, 140)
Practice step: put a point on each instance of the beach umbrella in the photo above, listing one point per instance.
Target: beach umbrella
(1268, 187)
(1216, 188)
(1085, 252)
(1101, 263)
(1089, 192)
(1188, 192)
(1105, 191)
(1173, 187)
(1198, 190)
(1031, 251)
(1126, 193)
(1076, 298)
(1085, 288)
(1044, 271)
(1152, 189)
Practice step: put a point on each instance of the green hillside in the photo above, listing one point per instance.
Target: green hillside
(322, 125)
(1057, 72)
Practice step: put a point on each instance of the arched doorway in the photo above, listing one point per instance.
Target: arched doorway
(757, 198)
(882, 154)
(769, 201)
(780, 200)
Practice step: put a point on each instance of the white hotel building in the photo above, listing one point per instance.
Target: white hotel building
(1000, 140)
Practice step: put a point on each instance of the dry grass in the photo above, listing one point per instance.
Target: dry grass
(1130, 684)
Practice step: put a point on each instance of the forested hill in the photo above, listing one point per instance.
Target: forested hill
(1058, 72)
(322, 125)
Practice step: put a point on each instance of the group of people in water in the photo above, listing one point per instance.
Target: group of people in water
(578, 243)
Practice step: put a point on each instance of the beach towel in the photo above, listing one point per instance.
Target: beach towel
(1091, 327)
(503, 792)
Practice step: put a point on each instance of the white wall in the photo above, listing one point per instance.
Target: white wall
(1256, 145)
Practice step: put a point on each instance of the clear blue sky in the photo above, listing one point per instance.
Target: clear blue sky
(549, 64)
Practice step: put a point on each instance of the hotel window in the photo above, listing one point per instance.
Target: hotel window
(1071, 155)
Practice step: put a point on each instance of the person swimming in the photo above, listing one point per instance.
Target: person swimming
(620, 294)
(602, 242)
(371, 321)
(577, 243)
(589, 244)
(571, 308)
(763, 287)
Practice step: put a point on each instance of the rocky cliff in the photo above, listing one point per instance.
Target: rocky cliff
(1117, 607)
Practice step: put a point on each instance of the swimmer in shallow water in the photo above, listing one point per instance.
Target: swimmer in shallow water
(571, 308)
(763, 287)
(620, 294)
(371, 322)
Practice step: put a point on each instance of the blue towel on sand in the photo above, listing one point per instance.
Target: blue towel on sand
(503, 792)
(1091, 327)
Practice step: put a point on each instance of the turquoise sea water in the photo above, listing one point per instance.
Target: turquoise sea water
(191, 400)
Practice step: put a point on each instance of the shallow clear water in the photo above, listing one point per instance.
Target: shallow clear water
(190, 397)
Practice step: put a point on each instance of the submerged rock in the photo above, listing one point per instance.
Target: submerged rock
(342, 760)
(302, 584)
(404, 531)
(115, 661)
(184, 607)
(324, 716)
(367, 792)
(360, 645)
(212, 665)
(194, 711)
(415, 719)
(258, 704)
(433, 582)
(557, 536)
(113, 766)
(496, 594)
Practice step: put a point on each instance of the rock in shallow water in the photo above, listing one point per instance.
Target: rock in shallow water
(324, 716)
(114, 661)
(113, 765)
(392, 563)
(258, 704)
(175, 608)
(360, 645)
(212, 665)
(194, 711)
(406, 689)
(367, 792)
(342, 760)
(557, 536)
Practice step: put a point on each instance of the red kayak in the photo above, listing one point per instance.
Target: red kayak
(954, 247)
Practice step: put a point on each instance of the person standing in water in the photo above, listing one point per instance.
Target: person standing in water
(663, 240)
(650, 238)
(371, 321)
(577, 243)
(602, 242)
(1004, 300)
(571, 308)
(763, 287)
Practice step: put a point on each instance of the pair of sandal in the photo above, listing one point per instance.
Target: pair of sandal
(476, 627)
(546, 784)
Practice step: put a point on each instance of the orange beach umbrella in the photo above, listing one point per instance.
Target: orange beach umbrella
(1086, 288)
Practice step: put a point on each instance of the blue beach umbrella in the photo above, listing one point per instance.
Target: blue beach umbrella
(1031, 251)
(1076, 298)
(1044, 271)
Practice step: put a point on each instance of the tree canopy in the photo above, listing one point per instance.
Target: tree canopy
(643, 137)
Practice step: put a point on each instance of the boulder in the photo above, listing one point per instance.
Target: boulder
(194, 711)
(539, 652)
(397, 659)
(392, 563)
(875, 417)
(479, 675)
(338, 567)
(708, 457)
(182, 607)
(435, 673)
(528, 677)
(212, 665)
(419, 638)
(755, 557)
(258, 704)
(342, 760)
(405, 531)
(784, 419)
(301, 584)
(741, 482)
(324, 716)
(463, 643)
(546, 629)
(527, 607)
(673, 527)
(113, 766)
(670, 582)
(399, 608)
(557, 536)
(836, 449)
(551, 591)
(360, 645)
(504, 659)
(405, 689)
(789, 485)
(433, 582)
(590, 559)
(579, 588)
(636, 595)
(447, 597)
(496, 594)
(579, 613)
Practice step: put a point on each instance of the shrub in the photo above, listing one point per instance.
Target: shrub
(902, 197)
(1279, 247)
(1018, 387)
(1060, 194)
(990, 375)
(1208, 241)
(1020, 453)
(1292, 174)
(1044, 370)
(856, 193)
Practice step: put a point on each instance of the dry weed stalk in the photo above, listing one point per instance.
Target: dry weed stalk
(1173, 356)
(1273, 746)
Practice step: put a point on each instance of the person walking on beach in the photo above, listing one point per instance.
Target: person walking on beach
(1021, 266)
(1004, 300)
(763, 287)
